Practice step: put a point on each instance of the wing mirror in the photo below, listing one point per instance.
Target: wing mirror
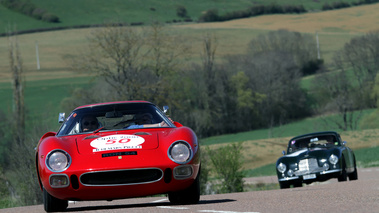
(165, 109)
(61, 117)
(284, 152)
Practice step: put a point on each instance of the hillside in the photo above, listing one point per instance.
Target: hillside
(90, 12)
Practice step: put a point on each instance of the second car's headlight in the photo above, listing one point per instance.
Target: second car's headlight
(58, 160)
(281, 167)
(333, 159)
(180, 152)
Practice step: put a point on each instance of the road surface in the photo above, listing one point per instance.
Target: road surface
(331, 196)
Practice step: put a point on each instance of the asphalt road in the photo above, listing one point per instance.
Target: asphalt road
(331, 196)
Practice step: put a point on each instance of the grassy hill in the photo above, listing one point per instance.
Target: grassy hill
(88, 12)
(54, 80)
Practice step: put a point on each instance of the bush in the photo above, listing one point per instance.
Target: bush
(38, 13)
(181, 11)
(210, 16)
(29, 9)
(48, 17)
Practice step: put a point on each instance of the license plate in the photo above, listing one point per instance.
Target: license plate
(311, 176)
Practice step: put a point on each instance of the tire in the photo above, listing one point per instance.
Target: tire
(343, 175)
(298, 184)
(191, 195)
(52, 204)
(354, 175)
(284, 185)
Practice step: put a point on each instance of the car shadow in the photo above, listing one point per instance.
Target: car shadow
(142, 205)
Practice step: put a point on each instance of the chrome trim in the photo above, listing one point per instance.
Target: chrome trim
(289, 178)
(80, 177)
(68, 179)
(189, 147)
(64, 152)
(330, 171)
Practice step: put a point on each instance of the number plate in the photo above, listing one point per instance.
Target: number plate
(311, 176)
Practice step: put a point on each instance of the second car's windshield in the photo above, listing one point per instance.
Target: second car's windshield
(112, 117)
(312, 142)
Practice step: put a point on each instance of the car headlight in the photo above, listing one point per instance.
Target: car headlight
(333, 159)
(180, 152)
(281, 167)
(58, 160)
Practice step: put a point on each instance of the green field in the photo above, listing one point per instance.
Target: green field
(88, 12)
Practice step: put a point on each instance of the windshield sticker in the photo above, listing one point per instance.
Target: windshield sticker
(117, 142)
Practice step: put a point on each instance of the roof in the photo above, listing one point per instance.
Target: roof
(315, 133)
(109, 103)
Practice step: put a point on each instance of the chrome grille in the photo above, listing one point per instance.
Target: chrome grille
(308, 165)
(121, 177)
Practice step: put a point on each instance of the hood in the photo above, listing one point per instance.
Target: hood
(311, 152)
(100, 143)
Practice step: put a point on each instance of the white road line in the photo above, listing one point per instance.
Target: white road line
(214, 211)
(170, 207)
(162, 200)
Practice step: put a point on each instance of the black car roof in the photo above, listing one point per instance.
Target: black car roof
(315, 134)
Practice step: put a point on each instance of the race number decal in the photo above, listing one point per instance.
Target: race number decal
(117, 142)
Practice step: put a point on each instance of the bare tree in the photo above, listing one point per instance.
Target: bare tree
(301, 47)
(18, 88)
(361, 58)
(134, 62)
(350, 87)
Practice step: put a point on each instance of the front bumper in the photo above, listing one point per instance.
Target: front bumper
(310, 177)
(117, 184)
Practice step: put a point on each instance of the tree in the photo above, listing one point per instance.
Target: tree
(301, 47)
(350, 88)
(18, 89)
(20, 167)
(134, 62)
(360, 57)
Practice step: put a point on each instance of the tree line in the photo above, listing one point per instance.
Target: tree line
(257, 89)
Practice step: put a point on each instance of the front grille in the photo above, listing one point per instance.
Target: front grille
(308, 165)
(121, 177)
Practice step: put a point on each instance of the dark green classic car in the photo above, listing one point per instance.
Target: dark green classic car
(313, 157)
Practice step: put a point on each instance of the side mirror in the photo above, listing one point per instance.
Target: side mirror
(283, 152)
(344, 143)
(61, 117)
(165, 109)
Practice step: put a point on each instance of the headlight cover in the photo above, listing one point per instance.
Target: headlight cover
(58, 160)
(180, 152)
(333, 159)
(281, 167)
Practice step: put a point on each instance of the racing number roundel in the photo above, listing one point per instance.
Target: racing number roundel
(117, 142)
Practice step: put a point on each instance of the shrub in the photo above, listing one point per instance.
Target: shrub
(48, 17)
(38, 13)
(210, 16)
(181, 11)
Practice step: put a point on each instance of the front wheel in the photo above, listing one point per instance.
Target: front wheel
(354, 175)
(191, 195)
(343, 175)
(284, 185)
(52, 204)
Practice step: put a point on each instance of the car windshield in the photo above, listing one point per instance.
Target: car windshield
(324, 141)
(112, 117)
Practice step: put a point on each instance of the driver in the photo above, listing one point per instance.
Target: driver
(145, 120)
(89, 123)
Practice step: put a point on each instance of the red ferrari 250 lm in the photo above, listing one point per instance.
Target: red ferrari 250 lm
(118, 150)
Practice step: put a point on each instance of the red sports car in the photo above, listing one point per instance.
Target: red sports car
(118, 150)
